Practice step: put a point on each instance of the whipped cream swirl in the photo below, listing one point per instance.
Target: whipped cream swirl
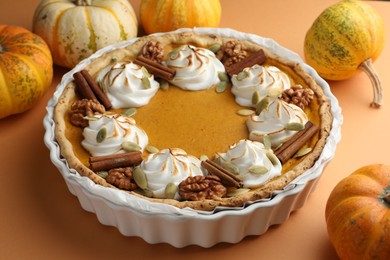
(273, 120)
(196, 68)
(169, 166)
(266, 80)
(116, 130)
(127, 84)
(249, 156)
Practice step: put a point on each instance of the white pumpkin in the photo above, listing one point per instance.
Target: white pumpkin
(75, 29)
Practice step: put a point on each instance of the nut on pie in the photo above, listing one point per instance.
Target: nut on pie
(192, 120)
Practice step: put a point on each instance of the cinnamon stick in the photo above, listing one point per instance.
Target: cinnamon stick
(155, 68)
(291, 146)
(101, 96)
(227, 178)
(255, 58)
(82, 87)
(107, 162)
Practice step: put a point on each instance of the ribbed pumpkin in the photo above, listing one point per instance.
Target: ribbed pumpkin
(347, 37)
(168, 15)
(358, 214)
(26, 69)
(75, 29)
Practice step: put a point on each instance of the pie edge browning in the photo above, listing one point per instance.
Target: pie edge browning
(132, 50)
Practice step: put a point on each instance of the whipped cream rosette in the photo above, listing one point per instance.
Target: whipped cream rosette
(107, 133)
(256, 163)
(280, 121)
(169, 166)
(266, 80)
(127, 84)
(196, 68)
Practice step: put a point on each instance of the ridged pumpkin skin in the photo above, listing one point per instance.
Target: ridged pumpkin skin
(358, 216)
(26, 69)
(169, 15)
(76, 29)
(344, 36)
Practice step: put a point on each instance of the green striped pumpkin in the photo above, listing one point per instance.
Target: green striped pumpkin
(75, 29)
(345, 38)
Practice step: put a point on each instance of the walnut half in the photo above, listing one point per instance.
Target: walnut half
(202, 187)
(298, 96)
(121, 178)
(82, 108)
(231, 53)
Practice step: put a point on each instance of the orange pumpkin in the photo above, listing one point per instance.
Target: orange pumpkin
(168, 15)
(26, 69)
(358, 214)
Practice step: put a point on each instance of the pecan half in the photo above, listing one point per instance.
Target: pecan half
(298, 96)
(121, 178)
(201, 188)
(82, 108)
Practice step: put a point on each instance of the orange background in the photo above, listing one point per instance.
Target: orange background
(40, 218)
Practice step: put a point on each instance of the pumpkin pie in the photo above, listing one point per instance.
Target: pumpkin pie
(192, 120)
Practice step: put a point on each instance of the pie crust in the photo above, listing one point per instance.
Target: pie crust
(319, 111)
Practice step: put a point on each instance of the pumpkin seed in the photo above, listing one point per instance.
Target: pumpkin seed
(145, 72)
(237, 192)
(101, 135)
(221, 87)
(173, 53)
(145, 192)
(230, 167)
(227, 165)
(91, 118)
(102, 174)
(130, 112)
(203, 157)
(151, 149)
(101, 86)
(164, 85)
(170, 190)
(145, 82)
(114, 59)
(245, 112)
(294, 126)
(130, 146)
(267, 141)
(255, 97)
(215, 47)
(242, 75)
(223, 76)
(272, 157)
(303, 152)
(263, 104)
(258, 169)
(278, 146)
(140, 178)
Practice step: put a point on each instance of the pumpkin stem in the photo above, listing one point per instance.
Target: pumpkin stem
(369, 69)
(387, 197)
(82, 2)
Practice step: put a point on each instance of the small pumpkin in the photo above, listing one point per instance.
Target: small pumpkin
(358, 214)
(75, 29)
(169, 15)
(26, 69)
(345, 38)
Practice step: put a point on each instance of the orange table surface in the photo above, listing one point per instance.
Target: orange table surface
(41, 219)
